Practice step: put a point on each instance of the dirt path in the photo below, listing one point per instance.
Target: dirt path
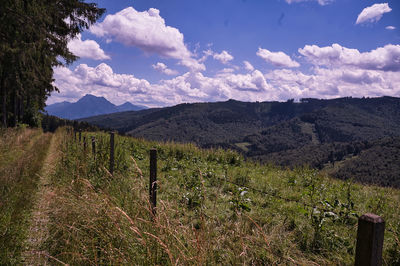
(38, 230)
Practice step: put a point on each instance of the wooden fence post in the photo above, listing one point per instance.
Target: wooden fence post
(111, 153)
(84, 143)
(80, 135)
(153, 180)
(370, 234)
(93, 147)
(74, 135)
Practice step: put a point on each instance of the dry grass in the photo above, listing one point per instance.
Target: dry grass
(102, 219)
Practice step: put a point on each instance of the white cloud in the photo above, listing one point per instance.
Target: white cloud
(100, 80)
(362, 77)
(385, 58)
(333, 83)
(227, 70)
(224, 57)
(189, 87)
(278, 59)
(390, 28)
(321, 2)
(164, 69)
(373, 13)
(86, 49)
(146, 30)
(192, 64)
(337, 72)
(254, 81)
(206, 54)
(248, 66)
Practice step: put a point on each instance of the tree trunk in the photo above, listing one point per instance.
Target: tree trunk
(19, 106)
(15, 109)
(4, 102)
(21, 109)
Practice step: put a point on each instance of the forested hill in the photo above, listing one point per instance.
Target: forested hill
(314, 132)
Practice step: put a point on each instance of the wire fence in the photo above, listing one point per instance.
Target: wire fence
(370, 227)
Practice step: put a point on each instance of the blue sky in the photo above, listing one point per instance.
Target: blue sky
(165, 52)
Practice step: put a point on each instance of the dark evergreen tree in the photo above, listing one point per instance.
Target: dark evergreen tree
(33, 39)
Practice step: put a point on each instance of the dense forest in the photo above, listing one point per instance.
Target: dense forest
(33, 40)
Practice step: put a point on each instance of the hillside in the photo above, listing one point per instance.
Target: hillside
(213, 207)
(313, 132)
(88, 105)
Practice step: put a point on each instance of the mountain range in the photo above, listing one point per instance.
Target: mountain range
(88, 105)
(356, 138)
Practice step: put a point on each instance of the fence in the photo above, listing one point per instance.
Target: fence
(371, 227)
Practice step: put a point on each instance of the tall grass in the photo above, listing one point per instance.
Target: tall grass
(22, 155)
(207, 212)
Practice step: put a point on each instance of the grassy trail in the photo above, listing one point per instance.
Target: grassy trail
(38, 231)
(22, 155)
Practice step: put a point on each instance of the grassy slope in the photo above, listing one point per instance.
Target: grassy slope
(202, 218)
(313, 132)
(21, 157)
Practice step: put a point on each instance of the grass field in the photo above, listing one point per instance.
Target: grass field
(213, 208)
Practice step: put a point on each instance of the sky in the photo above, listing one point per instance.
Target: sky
(165, 52)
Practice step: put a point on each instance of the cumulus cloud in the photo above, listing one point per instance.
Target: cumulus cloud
(224, 57)
(86, 49)
(192, 64)
(248, 66)
(333, 83)
(161, 67)
(254, 81)
(100, 80)
(337, 72)
(385, 58)
(373, 13)
(357, 76)
(278, 59)
(206, 54)
(321, 2)
(188, 87)
(390, 28)
(146, 30)
(227, 70)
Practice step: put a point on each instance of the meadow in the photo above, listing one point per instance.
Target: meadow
(213, 207)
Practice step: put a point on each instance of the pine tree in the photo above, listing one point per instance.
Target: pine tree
(33, 40)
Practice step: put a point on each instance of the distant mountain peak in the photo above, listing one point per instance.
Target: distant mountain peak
(126, 104)
(90, 97)
(89, 105)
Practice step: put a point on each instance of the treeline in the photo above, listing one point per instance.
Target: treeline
(50, 123)
(33, 40)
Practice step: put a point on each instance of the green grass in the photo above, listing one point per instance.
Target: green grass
(243, 145)
(21, 157)
(289, 217)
